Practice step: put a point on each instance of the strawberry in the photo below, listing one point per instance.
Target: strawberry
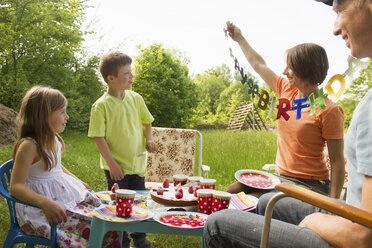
(160, 190)
(178, 187)
(179, 194)
(114, 187)
(191, 189)
(166, 183)
(196, 189)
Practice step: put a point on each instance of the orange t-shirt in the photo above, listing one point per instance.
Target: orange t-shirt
(301, 142)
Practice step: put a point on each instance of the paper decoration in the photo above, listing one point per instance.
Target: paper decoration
(264, 100)
(328, 87)
(354, 65)
(319, 100)
(253, 90)
(252, 87)
(272, 105)
(283, 107)
(298, 104)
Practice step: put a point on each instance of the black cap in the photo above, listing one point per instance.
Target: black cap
(328, 2)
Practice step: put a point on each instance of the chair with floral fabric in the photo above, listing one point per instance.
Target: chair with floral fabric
(175, 155)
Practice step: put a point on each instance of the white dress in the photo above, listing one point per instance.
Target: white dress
(71, 195)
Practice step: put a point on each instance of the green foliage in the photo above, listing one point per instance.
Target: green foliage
(163, 81)
(357, 90)
(220, 93)
(81, 95)
(40, 44)
(360, 85)
(348, 105)
(229, 99)
(210, 87)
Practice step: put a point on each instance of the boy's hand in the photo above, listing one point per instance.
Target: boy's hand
(151, 146)
(116, 172)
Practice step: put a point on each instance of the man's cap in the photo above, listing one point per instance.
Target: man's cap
(328, 2)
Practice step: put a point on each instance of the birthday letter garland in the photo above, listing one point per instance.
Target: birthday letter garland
(298, 104)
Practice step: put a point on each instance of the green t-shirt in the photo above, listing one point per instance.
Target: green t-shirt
(120, 123)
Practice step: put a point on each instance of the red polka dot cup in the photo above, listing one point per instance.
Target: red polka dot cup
(179, 179)
(124, 202)
(208, 183)
(220, 200)
(205, 200)
(194, 180)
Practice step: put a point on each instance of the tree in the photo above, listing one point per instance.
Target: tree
(38, 45)
(87, 89)
(348, 105)
(357, 90)
(220, 93)
(229, 99)
(210, 87)
(41, 44)
(162, 78)
(359, 87)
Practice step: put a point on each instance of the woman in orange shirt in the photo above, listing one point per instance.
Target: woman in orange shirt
(299, 157)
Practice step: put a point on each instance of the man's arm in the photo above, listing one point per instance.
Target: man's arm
(339, 231)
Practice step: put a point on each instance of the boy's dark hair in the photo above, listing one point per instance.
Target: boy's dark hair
(110, 63)
(308, 61)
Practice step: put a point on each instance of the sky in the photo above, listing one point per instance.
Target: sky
(195, 29)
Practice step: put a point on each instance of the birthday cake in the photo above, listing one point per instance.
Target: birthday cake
(174, 195)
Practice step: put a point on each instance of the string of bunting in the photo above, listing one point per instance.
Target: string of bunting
(298, 104)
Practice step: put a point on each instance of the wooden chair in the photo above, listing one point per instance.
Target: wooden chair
(330, 204)
(175, 155)
(15, 233)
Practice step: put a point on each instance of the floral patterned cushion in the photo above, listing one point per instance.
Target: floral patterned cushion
(175, 154)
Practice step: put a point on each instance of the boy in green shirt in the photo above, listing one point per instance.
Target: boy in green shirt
(120, 124)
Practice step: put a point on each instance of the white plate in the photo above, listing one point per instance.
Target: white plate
(104, 196)
(257, 179)
(181, 219)
(108, 212)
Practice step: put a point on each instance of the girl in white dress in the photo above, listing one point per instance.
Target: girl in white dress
(39, 178)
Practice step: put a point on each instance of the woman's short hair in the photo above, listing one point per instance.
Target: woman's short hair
(309, 62)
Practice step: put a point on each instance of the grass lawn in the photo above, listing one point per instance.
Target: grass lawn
(225, 152)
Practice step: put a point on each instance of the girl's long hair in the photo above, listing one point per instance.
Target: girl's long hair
(33, 121)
